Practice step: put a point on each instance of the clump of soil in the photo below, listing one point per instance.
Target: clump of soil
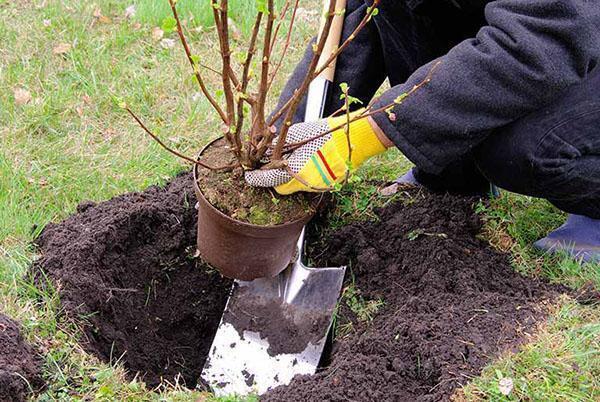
(451, 303)
(126, 268)
(20, 366)
(229, 193)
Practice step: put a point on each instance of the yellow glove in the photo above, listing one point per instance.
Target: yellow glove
(322, 162)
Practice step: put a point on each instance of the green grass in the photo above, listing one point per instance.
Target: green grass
(72, 143)
(516, 222)
(197, 12)
(562, 363)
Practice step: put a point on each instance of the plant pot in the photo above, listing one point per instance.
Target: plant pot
(241, 250)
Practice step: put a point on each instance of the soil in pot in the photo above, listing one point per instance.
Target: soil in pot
(126, 269)
(20, 365)
(229, 193)
(446, 305)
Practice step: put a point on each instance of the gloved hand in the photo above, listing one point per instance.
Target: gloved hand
(323, 162)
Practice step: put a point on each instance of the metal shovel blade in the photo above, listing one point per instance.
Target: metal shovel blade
(273, 329)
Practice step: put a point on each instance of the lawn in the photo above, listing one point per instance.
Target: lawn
(64, 68)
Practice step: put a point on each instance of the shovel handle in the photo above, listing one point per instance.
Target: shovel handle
(319, 87)
(333, 39)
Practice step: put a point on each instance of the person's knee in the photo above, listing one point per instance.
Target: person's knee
(508, 161)
(550, 156)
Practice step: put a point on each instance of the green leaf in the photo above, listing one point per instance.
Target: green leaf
(352, 100)
(261, 6)
(400, 98)
(169, 24)
(195, 59)
(414, 234)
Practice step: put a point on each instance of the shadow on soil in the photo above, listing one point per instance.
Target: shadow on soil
(451, 303)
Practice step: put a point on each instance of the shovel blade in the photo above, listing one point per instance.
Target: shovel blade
(273, 329)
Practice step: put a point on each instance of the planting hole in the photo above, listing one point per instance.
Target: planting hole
(126, 267)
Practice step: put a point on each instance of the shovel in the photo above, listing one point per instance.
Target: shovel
(273, 329)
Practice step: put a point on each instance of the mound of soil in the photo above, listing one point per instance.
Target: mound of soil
(126, 268)
(451, 303)
(20, 366)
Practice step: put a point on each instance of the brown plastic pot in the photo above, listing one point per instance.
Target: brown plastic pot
(240, 250)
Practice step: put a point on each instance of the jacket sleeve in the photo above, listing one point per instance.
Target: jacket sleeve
(527, 54)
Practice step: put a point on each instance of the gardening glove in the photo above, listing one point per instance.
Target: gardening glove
(323, 162)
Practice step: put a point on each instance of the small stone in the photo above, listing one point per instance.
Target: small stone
(167, 43)
(130, 11)
(389, 190)
(505, 386)
(100, 17)
(61, 48)
(22, 96)
(157, 33)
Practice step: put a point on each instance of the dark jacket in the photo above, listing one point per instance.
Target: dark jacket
(527, 54)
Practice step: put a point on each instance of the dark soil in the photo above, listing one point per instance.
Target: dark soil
(288, 329)
(230, 194)
(126, 268)
(20, 366)
(451, 304)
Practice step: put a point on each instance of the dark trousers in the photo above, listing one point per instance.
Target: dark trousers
(553, 153)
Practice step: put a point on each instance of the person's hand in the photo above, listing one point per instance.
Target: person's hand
(321, 163)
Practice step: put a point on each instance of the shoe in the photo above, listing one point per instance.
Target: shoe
(579, 237)
(408, 178)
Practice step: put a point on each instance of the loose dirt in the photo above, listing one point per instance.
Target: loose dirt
(229, 193)
(20, 366)
(288, 328)
(126, 268)
(451, 303)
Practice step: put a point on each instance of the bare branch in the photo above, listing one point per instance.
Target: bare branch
(174, 152)
(286, 46)
(195, 67)
(244, 86)
(332, 57)
(367, 112)
(347, 127)
(336, 52)
(297, 97)
(220, 14)
(258, 124)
